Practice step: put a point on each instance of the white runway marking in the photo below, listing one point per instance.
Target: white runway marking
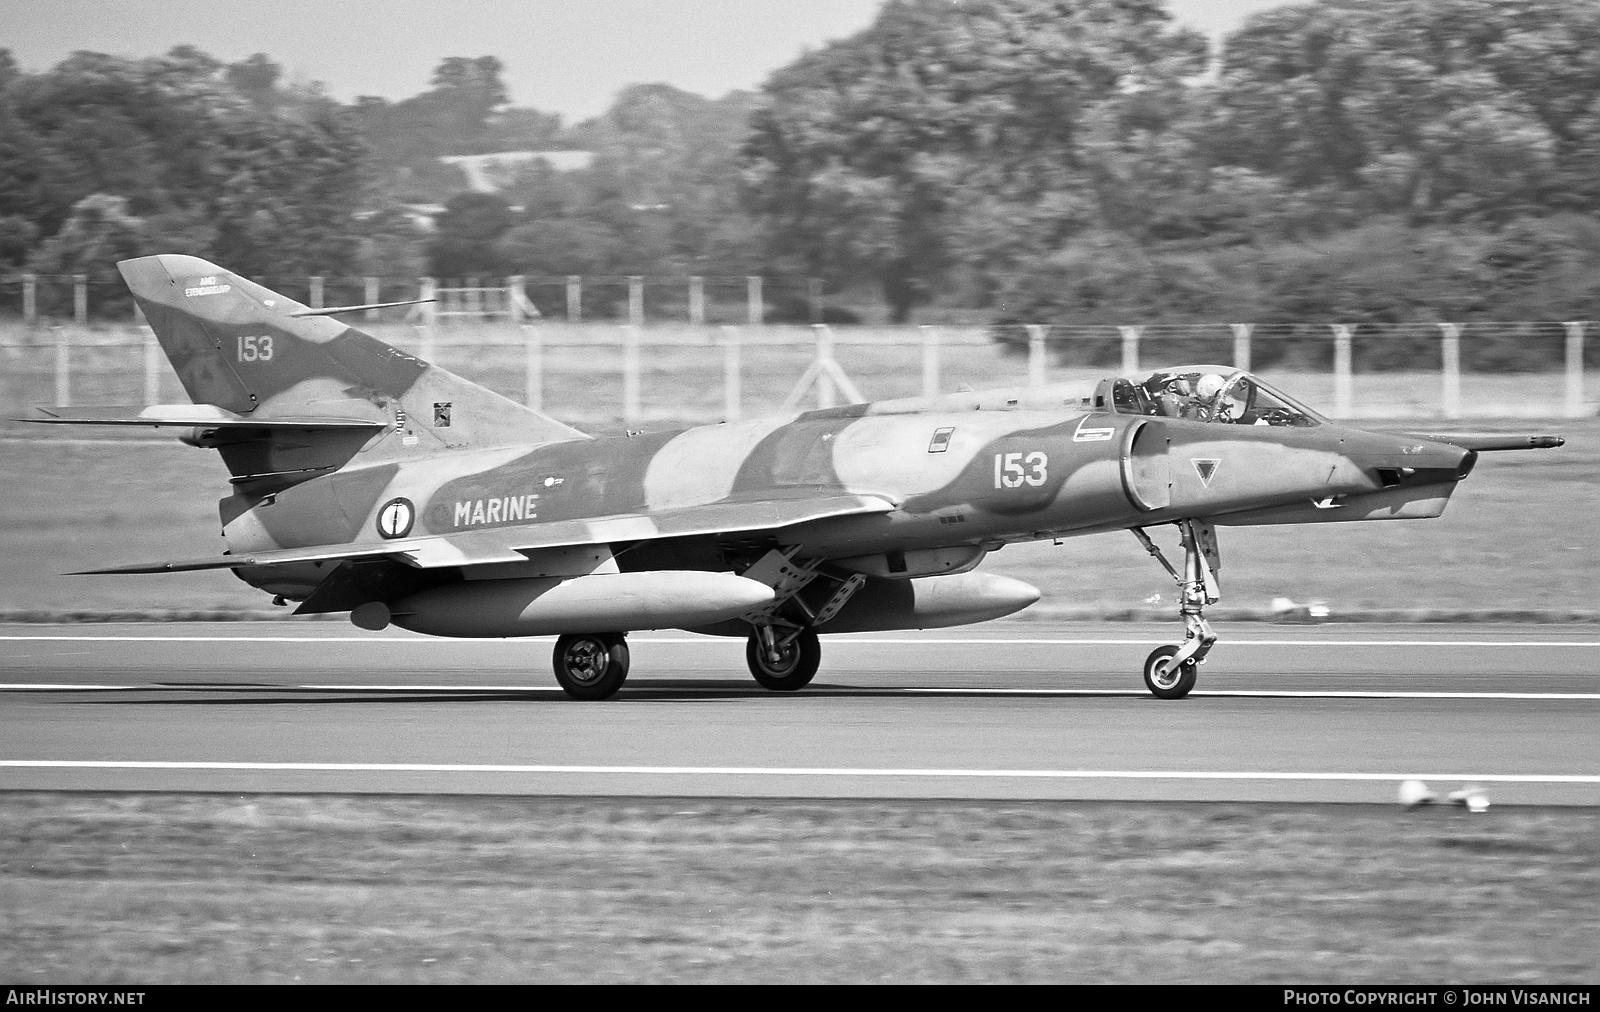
(1257, 693)
(797, 771)
(887, 690)
(929, 641)
(65, 687)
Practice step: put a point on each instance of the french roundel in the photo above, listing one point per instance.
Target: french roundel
(396, 517)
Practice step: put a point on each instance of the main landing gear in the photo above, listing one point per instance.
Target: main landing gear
(783, 660)
(1170, 671)
(591, 665)
(783, 651)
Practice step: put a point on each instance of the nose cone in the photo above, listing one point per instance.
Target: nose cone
(1400, 460)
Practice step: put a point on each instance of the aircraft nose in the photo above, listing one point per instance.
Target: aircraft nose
(1449, 457)
(1415, 461)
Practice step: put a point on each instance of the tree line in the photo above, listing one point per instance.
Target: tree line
(1052, 161)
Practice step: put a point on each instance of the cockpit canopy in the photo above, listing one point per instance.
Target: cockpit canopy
(1204, 393)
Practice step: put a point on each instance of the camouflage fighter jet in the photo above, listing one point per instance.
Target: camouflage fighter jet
(370, 482)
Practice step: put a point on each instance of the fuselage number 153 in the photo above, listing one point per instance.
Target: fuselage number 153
(1013, 470)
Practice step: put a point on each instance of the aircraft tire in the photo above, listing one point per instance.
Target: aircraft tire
(591, 666)
(793, 671)
(1161, 681)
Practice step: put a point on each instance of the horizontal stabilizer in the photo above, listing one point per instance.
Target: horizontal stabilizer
(508, 544)
(194, 415)
(1486, 441)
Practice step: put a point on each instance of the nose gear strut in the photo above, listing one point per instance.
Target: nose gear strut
(1170, 671)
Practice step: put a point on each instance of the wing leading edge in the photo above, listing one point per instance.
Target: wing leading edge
(509, 544)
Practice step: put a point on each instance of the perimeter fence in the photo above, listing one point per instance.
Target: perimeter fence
(633, 299)
(604, 374)
(84, 300)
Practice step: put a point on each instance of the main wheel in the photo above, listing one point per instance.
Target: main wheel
(794, 668)
(591, 665)
(1164, 680)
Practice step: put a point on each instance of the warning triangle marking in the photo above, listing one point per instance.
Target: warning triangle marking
(1206, 468)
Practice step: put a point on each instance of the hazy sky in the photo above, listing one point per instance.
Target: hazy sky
(566, 56)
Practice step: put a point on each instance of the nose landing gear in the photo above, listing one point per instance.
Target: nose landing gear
(1170, 671)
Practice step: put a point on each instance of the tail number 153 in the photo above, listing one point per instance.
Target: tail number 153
(253, 348)
(1013, 470)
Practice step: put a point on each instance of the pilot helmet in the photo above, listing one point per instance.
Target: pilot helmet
(1209, 386)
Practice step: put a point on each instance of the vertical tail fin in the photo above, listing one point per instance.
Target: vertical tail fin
(234, 344)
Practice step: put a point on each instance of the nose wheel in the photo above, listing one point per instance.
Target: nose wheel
(1167, 679)
(1171, 671)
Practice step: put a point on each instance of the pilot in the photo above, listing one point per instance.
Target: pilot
(1208, 404)
(1193, 397)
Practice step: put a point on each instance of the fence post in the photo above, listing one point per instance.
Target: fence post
(428, 292)
(80, 300)
(1241, 345)
(316, 292)
(516, 297)
(63, 368)
(152, 368)
(1574, 406)
(814, 300)
(1451, 337)
(825, 374)
(1036, 359)
(30, 298)
(428, 289)
(826, 397)
(1130, 349)
(630, 374)
(697, 301)
(636, 300)
(574, 298)
(372, 289)
(930, 360)
(731, 395)
(533, 367)
(1341, 370)
(752, 298)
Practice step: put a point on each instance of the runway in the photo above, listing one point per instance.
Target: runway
(1026, 710)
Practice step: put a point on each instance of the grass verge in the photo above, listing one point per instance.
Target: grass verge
(205, 888)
